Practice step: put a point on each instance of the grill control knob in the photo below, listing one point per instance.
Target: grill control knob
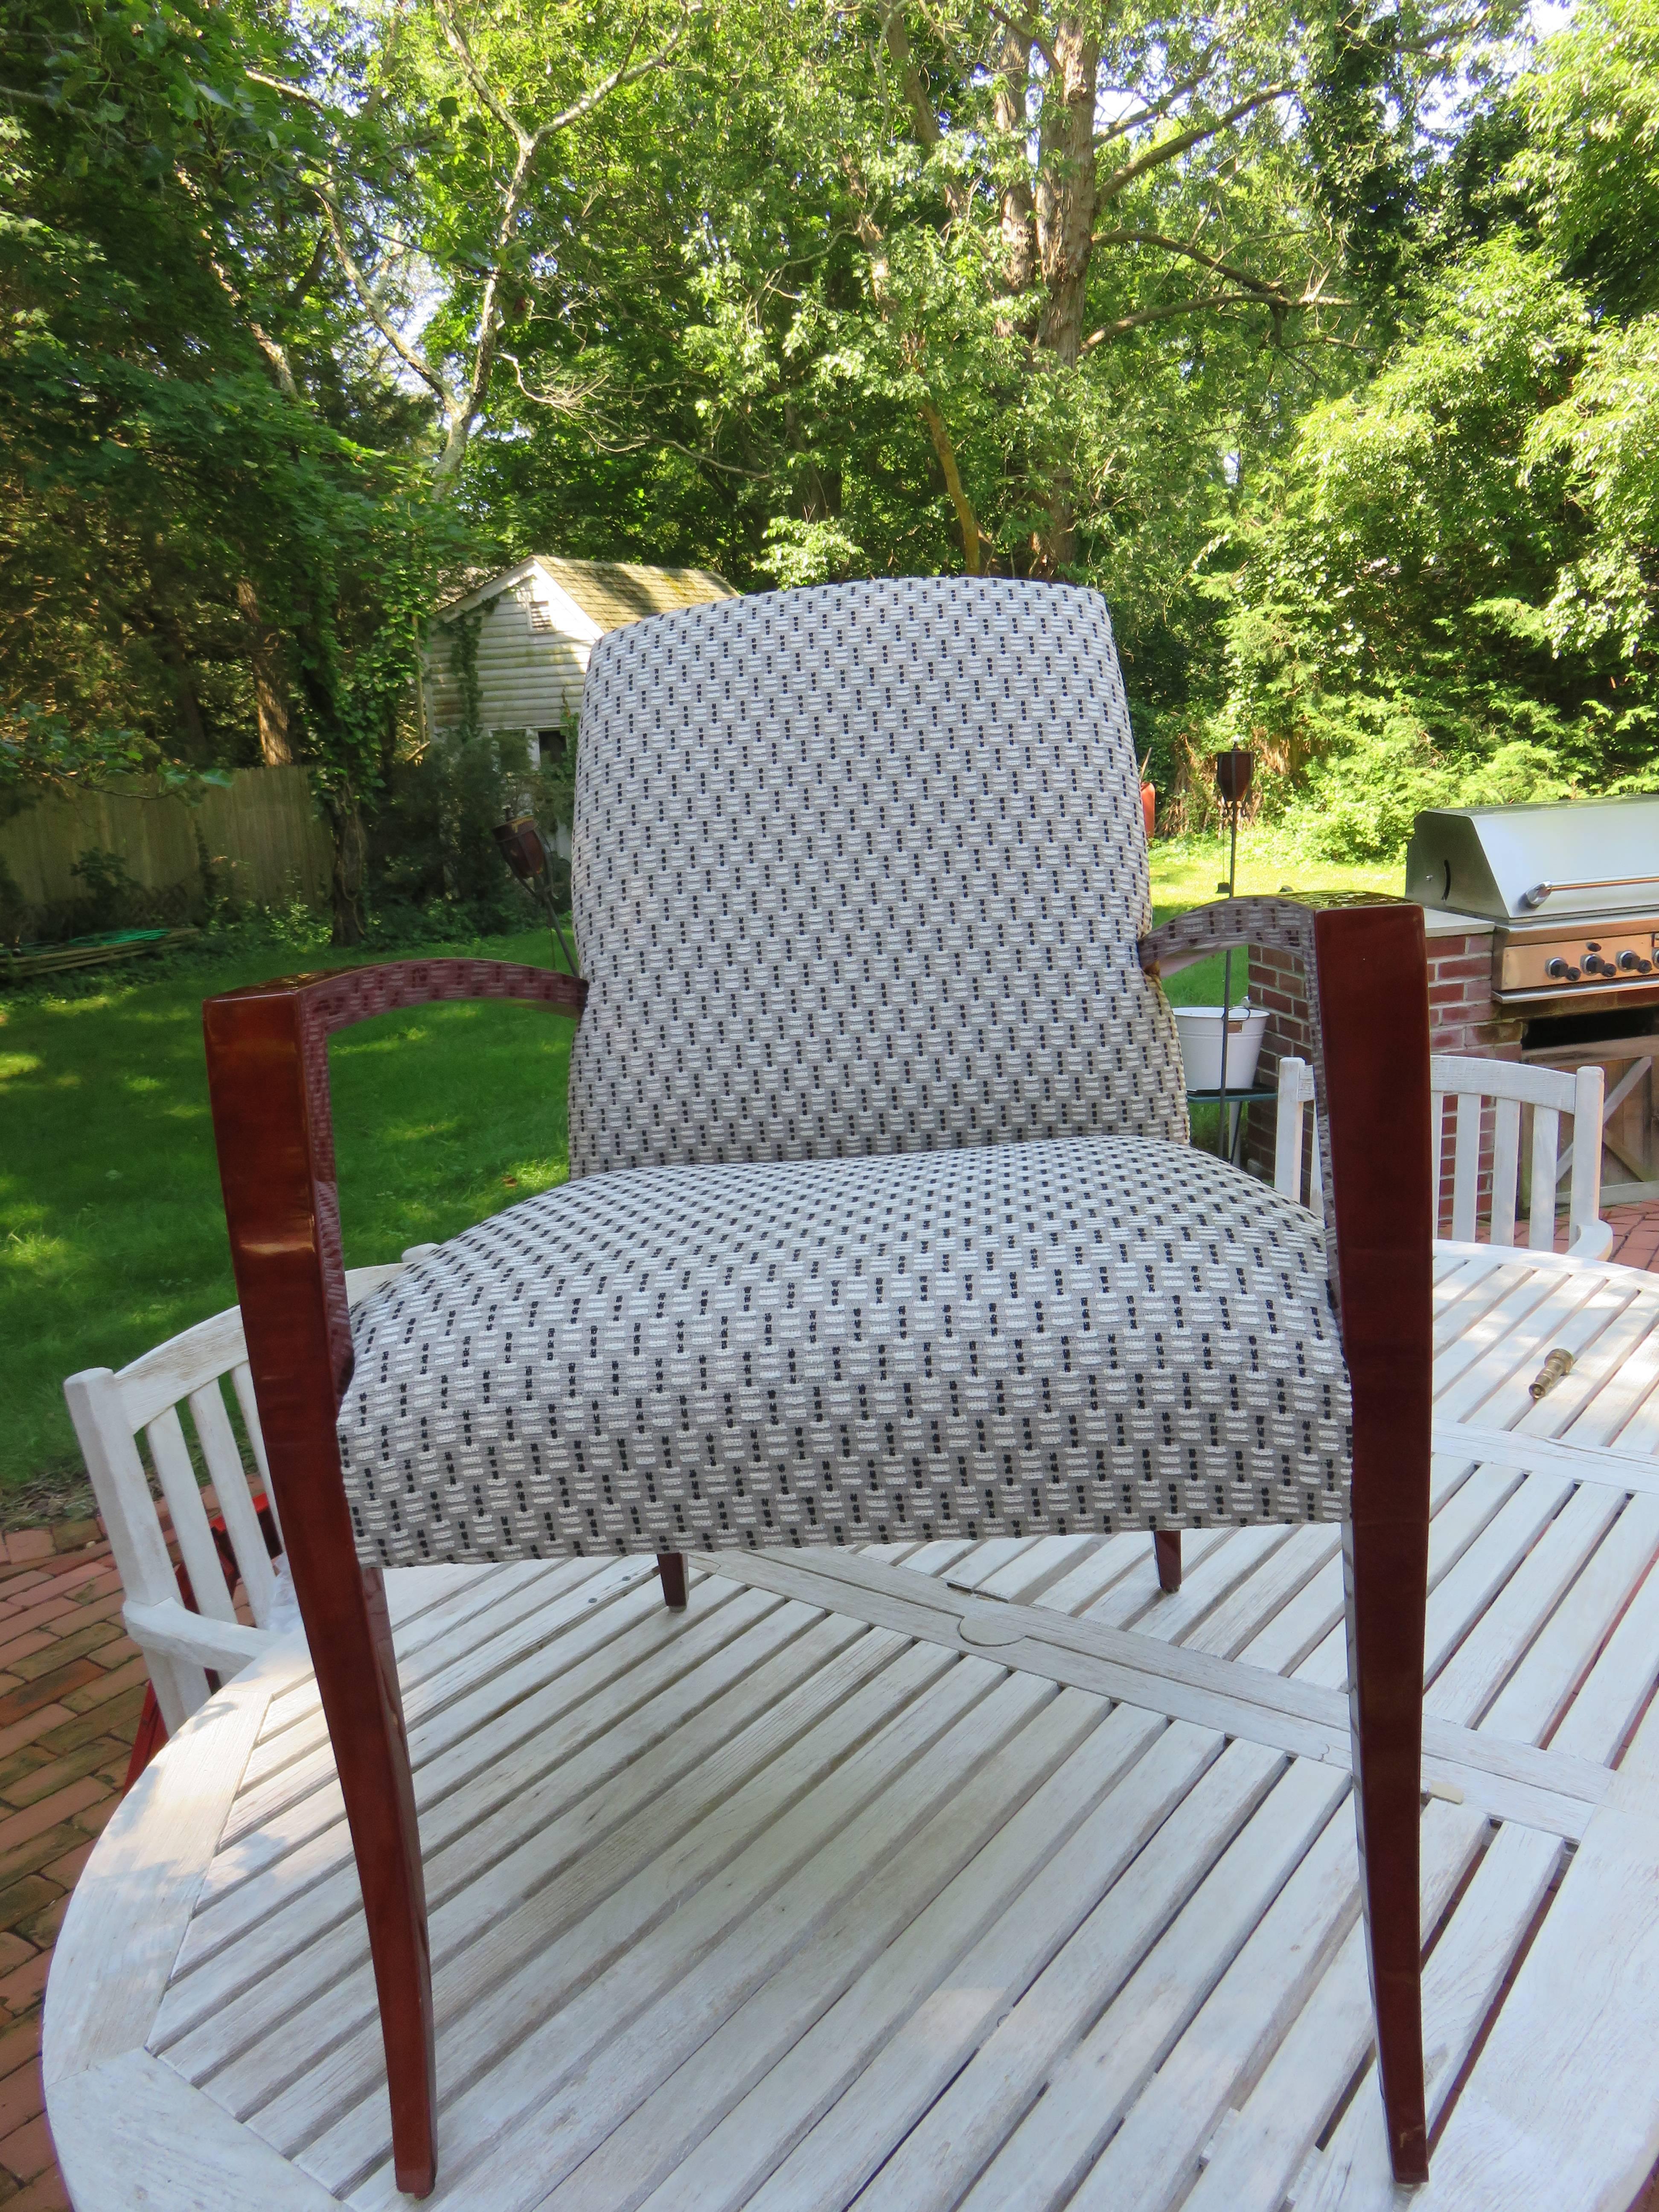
(1558, 968)
(1646, 967)
(1629, 962)
(1592, 965)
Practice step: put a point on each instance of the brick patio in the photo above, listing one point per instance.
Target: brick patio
(71, 1688)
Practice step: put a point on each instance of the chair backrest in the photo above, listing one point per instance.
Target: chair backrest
(862, 869)
(1491, 1141)
(111, 1411)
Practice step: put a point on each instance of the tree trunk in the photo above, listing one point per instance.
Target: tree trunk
(345, 822)
(1066, 190)
(1019, 244)
(973, 562)
(1066, 195)
(186, 700)
(270, 697)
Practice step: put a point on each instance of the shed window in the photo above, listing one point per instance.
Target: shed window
(551, 745)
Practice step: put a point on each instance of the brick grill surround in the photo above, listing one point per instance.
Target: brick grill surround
(1462, 1019)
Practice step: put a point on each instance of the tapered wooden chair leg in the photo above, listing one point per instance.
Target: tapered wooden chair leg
(357, 1679)
(1387, 1582)
(671, 1570)
(1166, 1549)
(1374, 1020)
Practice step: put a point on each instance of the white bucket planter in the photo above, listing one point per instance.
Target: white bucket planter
(1200, 1044)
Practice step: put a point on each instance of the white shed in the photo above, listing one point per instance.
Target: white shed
(536, 626)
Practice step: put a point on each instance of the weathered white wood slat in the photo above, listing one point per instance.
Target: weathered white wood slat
(1466, 1167)
(520, 1717)
(121, 1935)
(1546, 1147)
(952, 1877)
(1085, 2095)
(795, 1899)
(1477, 1670)
(951, 2144)
(1561, 1656)
(1506, 1173)
(1306, 1717)
(1255, 2152)
(1603, 1332)
(893, 2088)
(563, 1802)
(1512, 1340)
(229, 1478)
(132, 2116)
(565, 2084)
(170, 1457)
(1462, 1977)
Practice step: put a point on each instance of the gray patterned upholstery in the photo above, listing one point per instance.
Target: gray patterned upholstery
(862, 870)
(882, 1220)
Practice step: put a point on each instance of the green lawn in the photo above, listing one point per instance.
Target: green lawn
(110, 1233)
(112, 1236)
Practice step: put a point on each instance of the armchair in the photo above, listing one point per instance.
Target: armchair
(882, 1218)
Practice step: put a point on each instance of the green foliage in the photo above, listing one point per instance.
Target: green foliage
(432, 846)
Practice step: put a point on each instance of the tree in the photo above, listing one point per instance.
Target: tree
(199, 485)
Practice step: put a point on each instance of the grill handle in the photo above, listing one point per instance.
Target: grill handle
(1540, 892)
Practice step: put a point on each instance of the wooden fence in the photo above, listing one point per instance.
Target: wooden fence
(259, 838)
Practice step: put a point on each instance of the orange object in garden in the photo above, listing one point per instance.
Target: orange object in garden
(1149, 808)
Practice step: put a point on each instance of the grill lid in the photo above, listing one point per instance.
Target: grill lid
(1597, 856)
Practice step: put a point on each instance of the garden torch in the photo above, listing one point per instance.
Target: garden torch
(1233, 772)
(523, 850)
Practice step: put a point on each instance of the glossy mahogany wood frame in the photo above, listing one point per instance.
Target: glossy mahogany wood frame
(1370, 966)
(268, 1077)
(267, 1053)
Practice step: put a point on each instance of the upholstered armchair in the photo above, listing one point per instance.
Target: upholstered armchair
(883, 1219)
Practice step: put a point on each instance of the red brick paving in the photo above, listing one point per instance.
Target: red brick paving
(72, 1685)
(1635, 1234)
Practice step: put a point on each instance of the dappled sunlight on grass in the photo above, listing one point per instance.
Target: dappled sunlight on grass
(112, 1227)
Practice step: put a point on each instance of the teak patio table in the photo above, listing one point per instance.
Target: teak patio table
(663, 1978)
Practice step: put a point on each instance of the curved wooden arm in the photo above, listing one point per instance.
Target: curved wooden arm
(1366, 961)
(267, 1052)
(267, 1055)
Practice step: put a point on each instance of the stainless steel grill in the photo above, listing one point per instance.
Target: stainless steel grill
(1573, 892)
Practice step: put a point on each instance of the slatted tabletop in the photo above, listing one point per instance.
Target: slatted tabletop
(976, 1876)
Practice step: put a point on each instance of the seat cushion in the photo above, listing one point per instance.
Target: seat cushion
(1088, 1333)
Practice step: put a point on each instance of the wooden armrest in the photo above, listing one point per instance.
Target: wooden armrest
(173, 1630)
(1284, 921)
(1367, 961)
(267, 1055)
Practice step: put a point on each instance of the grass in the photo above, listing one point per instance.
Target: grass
(111, 1231)
(112, 1236)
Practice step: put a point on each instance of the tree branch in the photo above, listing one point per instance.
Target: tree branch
(1144, 315)
(1171, 149)
(967, 520)
(1219, 268)
(1160, 108)
(897, 39)
(415, 363)
(1032, 36)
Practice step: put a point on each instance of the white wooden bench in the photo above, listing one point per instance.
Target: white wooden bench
(1511, 1086)
(110, 1411)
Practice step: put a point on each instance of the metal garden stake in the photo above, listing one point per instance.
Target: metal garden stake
(526, 854)
(1234, 770)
